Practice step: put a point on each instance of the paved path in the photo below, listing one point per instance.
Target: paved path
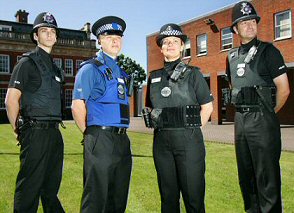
(221, 133)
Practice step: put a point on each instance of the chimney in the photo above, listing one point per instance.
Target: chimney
(87, 29)
(21, 16)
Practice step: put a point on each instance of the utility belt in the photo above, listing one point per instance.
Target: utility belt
(251, 96)
(23, 124)
(113, 129)
(173, 117)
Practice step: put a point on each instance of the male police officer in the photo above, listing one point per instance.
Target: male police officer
(101, 111)
(33, 105)
(259, 90)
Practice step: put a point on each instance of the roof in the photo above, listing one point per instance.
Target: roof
(18, 27)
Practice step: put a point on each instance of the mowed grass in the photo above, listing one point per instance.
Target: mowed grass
(222, 189)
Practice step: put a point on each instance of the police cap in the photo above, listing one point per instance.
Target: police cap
(243, 11)
(109, 25)
(44, 19)
(168, 30)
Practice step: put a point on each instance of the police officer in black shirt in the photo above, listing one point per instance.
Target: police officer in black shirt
(179, 103)
(259, 90)
(33, 104)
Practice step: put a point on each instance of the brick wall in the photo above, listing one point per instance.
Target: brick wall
(213, 64)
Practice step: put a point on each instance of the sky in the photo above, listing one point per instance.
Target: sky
(143, 17)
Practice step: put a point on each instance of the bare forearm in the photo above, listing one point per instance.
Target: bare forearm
(12, 105)
(280, 100)
(205, 113)
(12, 113)
(283, 91)
(79, 113)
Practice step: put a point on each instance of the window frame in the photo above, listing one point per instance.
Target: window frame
(198, 53)
(278, 27)
(68, 70)
(187, 48)
(59, 62)
(68, 98)
(7, 62)
(2, 97)
(223, 39)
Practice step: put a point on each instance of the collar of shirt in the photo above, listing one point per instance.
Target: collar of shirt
(47, 58)
(110, 62)
(244, 48)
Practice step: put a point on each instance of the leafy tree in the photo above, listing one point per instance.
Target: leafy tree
(132, 68)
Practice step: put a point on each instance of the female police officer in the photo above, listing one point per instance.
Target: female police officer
(181, 102)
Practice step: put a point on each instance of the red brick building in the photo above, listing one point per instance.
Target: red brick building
(210, 40)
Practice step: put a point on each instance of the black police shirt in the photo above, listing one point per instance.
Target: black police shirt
(271, 57)
(202, 92)
(26, 76)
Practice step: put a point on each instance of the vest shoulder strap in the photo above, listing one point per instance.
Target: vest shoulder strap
(91, 61)
(233, 54)
(262, 46)
(35, 57)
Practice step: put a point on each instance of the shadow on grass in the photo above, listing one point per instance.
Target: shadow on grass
(77, 153)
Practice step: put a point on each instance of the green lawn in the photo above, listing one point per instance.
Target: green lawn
(222, 190)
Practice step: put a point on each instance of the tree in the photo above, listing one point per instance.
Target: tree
(132, 68)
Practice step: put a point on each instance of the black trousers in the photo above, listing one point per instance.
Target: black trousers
(179, 157)
(41, 162)
(107, 171)
(258, 151)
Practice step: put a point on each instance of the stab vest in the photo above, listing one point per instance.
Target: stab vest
(182, 93)
(251, 76)
(112, 108)
(45, 103)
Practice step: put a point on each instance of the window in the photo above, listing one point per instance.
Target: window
(78, 63)
(187, 51)
(4, 63)
(5, 27)
(227, 39)
(202, 44)
(3, 92)
(283, 25)
(68, 98)
(68, 67)
(58, 62)
(5, 31)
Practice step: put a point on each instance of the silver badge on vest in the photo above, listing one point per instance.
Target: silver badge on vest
(165, 92)
(241, 69)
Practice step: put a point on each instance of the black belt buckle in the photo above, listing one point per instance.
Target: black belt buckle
(121, 131)
(245, 109)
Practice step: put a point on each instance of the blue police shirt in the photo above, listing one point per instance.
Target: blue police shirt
(89, 79)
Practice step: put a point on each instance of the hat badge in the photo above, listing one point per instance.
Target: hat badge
(48, 17)
(169, 28)
(246, 9)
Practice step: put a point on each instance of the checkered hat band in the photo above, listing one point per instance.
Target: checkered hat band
(107, 27)
(171, 32)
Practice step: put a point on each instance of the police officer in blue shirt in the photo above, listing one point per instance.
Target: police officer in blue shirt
(100, 109)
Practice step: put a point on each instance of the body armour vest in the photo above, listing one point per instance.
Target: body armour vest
(246, 74)
(112, 109)
(45, 103)
(165, 93)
